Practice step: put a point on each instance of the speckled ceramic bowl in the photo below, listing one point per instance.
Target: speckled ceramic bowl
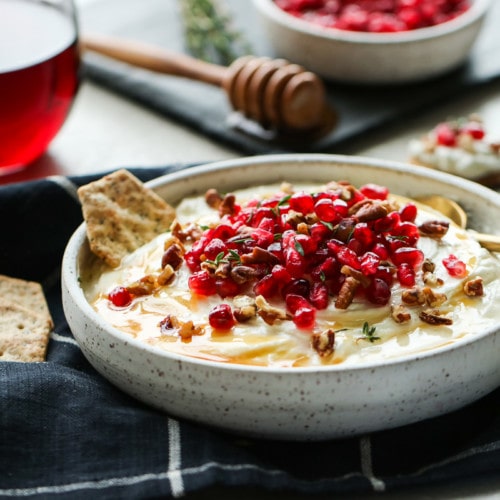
(372, 58)
(293, 403)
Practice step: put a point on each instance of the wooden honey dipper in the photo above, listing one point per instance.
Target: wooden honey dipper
(272, 92)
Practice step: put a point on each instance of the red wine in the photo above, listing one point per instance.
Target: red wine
(38, 78)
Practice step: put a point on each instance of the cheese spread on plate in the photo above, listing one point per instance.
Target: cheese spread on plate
(442, 289)
(459, 147)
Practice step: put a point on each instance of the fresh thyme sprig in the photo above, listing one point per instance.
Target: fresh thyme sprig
(209, 33)
(369, 332)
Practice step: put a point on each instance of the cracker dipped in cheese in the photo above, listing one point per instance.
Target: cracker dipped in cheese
(307, 275)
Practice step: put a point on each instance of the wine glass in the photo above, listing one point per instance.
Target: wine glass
(39, 76)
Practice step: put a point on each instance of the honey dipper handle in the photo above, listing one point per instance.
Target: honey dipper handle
(154, 58)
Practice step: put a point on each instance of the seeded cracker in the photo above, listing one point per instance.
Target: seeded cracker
(122, 215)
(24, 334)
(28, 294)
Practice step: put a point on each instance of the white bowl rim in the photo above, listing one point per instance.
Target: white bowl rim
(477, 9)
(70, 266)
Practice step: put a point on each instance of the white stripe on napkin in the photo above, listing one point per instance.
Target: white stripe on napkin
(175, 458)
(366, 464)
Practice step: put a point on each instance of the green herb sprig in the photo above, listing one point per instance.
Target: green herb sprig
(369, 332)
(209, 32)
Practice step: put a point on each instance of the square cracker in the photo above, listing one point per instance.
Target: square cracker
(28, 294)
(24, 334)
(122, 215)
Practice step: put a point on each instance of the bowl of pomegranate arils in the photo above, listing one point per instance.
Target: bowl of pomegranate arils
(293, 297)
(373, 41)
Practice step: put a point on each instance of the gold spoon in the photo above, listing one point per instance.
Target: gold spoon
(457, 214)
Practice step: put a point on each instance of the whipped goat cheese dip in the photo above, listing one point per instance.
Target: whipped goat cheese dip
(359, 333)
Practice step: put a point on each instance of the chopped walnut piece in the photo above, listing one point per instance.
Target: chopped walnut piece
(145, 286)
(244, 308)
(434, 317)
(323, 343)
(434, 229)
(400, 314)
(269, 313)
(428, 266)
(166, 275)
(413, 297)
(474, 287)
(432, 298)
(172, 325)
(191, 232)
(213, 198)
(294, 218)
(287, 188)
(431, 279)
(173, 256)
(302, 228)
(346, 293)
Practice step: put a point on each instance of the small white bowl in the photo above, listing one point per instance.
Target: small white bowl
(373, 58)
(309, 403)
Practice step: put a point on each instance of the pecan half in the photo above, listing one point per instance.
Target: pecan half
(346, 293)
(428, 266)
(259, 256)
(243, 274)
(323, 343)
(269, 313)
(354, 273)
(474, 287)
(213, 198)
(434, 229)
(434, 317)
(227, 205)
(372, 210)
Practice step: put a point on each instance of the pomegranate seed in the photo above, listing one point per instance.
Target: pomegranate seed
(226, 287)
(202, 283)
(294, 262)
(378, 292)
(374, 191)
(406, 275)
(455, 266)
(221, 317)
(266, 286)
(326, 211)
(295, 302)
(301, 202)
(413, 257)
(445, 135)
(214, 248)
(304, 318)
(319, 295)
(280, 274)
(381, 250)
(408, 213)
(297, 287)
(474, 129)
(120, 296)
(369, 263)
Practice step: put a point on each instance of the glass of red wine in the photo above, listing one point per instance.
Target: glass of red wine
(39, 76)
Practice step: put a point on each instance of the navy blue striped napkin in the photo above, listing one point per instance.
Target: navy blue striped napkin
(66, 433)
